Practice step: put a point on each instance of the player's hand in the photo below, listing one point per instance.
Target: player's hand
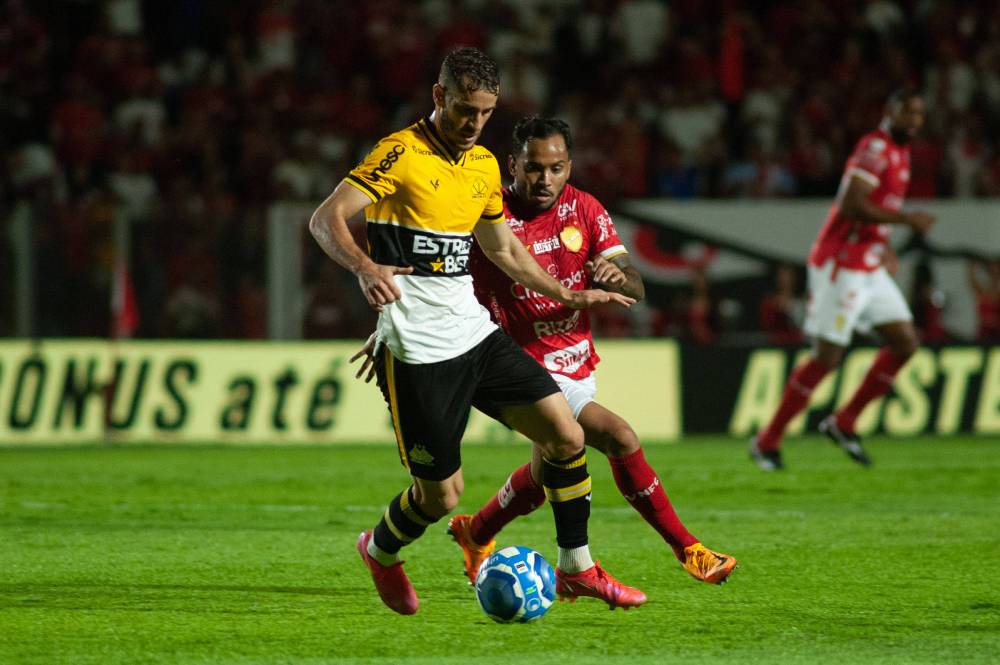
(368, 353)
(378, 285)
(591, 297)
(604, 272)
(921, 222)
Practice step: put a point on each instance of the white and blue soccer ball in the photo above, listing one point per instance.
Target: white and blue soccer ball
(516, 584)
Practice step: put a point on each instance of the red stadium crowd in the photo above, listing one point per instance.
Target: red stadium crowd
(194, 117)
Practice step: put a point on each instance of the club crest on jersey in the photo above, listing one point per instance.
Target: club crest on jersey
(571, 238)
(479, 188)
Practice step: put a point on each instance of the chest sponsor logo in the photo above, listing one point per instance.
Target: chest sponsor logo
(568, 360)
(564, 209)
(429, 245)
(444, 256)
(544, 246)
(571, 238)
(560, 327)
(390, 158)
(543, 303)
(480, 189)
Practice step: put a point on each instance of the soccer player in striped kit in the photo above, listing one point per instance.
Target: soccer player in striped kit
(426, 190)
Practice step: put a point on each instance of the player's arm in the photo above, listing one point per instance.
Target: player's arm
(856, 205)
(890, 259)
(328, 225)
(502, 247)
(618, 274)
(978, 285)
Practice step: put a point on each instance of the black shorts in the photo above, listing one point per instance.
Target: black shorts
(430, 402)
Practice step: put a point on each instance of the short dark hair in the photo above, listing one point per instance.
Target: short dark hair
(902, 95)
(469, 69)
(537, 127)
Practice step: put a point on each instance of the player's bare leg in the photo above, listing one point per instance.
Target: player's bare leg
(765, 448)
(641, 487)
(901, 343)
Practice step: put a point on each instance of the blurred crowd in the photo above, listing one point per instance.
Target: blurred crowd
(193, 117)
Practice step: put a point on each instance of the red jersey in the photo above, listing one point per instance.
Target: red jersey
(562, 239)
(856, 245)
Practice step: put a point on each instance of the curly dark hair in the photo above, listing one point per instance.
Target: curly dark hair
(537, 127)
(469, 69)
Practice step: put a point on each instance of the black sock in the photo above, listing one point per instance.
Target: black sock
(567, 487)
(402, 523)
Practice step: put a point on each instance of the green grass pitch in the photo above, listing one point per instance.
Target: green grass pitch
(246, 555)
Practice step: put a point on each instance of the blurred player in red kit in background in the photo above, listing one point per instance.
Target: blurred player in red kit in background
(850, 286)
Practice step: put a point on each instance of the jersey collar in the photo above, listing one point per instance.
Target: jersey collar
(437, 143)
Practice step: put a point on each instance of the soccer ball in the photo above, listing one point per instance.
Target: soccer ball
(515, 584)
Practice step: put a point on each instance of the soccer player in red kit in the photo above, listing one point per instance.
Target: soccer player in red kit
(850, 287)
(572, 236)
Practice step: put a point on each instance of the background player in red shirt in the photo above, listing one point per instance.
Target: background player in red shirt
(572, 236)
(850, 286)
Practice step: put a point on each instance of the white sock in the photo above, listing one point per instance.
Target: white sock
(380, 555)
(575, 559)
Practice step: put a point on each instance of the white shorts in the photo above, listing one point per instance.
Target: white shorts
(851, 300)
(579, 392)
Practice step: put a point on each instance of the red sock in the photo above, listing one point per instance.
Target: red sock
(519, 496)
(876, 383)
(640, 486)
(795, 398)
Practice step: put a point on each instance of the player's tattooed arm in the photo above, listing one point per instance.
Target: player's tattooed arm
(633, 286)
(856, 205)
(503, 248)
(617, 275)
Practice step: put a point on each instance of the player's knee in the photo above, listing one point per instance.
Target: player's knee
(440, 500)
(567, 440)
(905, 345)
(829, 357)
(622, 441)
(439, 504)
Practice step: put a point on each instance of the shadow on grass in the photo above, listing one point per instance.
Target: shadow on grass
(28, 589)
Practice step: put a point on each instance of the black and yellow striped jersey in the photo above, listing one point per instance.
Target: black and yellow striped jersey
(426, 200)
